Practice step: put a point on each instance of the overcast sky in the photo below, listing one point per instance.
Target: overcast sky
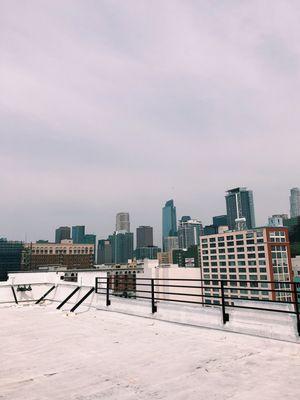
(109, 106)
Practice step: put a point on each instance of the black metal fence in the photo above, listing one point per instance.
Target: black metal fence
(265, 296)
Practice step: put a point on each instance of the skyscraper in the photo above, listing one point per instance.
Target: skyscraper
(144, 236)
(220, 220)
(104, 255)
(122, 247)
(189, 231)
(78, 233)
(295, 202)
(122, 222)
(61, 233)
(169, 220)
(170, 243)
(240, 206)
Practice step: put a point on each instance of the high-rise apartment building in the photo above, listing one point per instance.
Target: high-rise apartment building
(144, 236)
(262, 254)
(240, 208)
(62, 233)
(295, 202)
(169, 221)
(78, 233)
(122, 222)
(189, 231)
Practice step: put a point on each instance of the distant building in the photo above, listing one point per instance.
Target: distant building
(122, 222)
(170, 243)
(295, 202)
(78, 233)
(144, 236)
(189, 231)
(89, 238)
(65, 254)
(220, 220)
(210, 230)
(104, 254)
(239, 204)
(122, 247)
(61, 233)
(165, 258)
(293, 225)
(169, 221)
(186, 257)
(149, 252)
(10, 257)
(277, 220)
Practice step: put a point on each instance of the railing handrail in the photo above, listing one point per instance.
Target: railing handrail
(224, 293)
(130, 276)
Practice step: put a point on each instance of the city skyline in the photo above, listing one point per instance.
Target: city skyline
(116, 92)
(156, 229)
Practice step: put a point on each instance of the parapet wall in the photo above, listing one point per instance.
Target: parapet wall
(254, 322)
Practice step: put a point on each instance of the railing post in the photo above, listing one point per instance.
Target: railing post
(107, 292)
(154, 307)
(296, 306)
(224, 314)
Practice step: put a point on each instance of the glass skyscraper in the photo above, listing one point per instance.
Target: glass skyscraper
(169, 220)
(61, 233)
(295, 202)
(122, 247)
(78, 233)
(240, 205)
(189, 231)
(144, 236)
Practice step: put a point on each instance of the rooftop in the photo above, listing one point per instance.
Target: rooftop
(49, 354)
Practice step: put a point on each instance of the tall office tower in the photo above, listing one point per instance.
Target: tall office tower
(122, 222)
(170, 243)
(149, 252)
(189, 231)
(104, 252)
(122, 247)
(78, 233)
(295, 202)
(61, 233)
(169, 220)
(144, 236)
(90, 238)
(220, 220)
(239, 205)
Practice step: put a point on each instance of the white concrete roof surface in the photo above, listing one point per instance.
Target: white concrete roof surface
(48, 354)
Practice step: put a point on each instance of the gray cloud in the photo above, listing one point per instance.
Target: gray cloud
(111, 105)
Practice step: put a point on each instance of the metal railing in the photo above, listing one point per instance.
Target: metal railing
(265, 296)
